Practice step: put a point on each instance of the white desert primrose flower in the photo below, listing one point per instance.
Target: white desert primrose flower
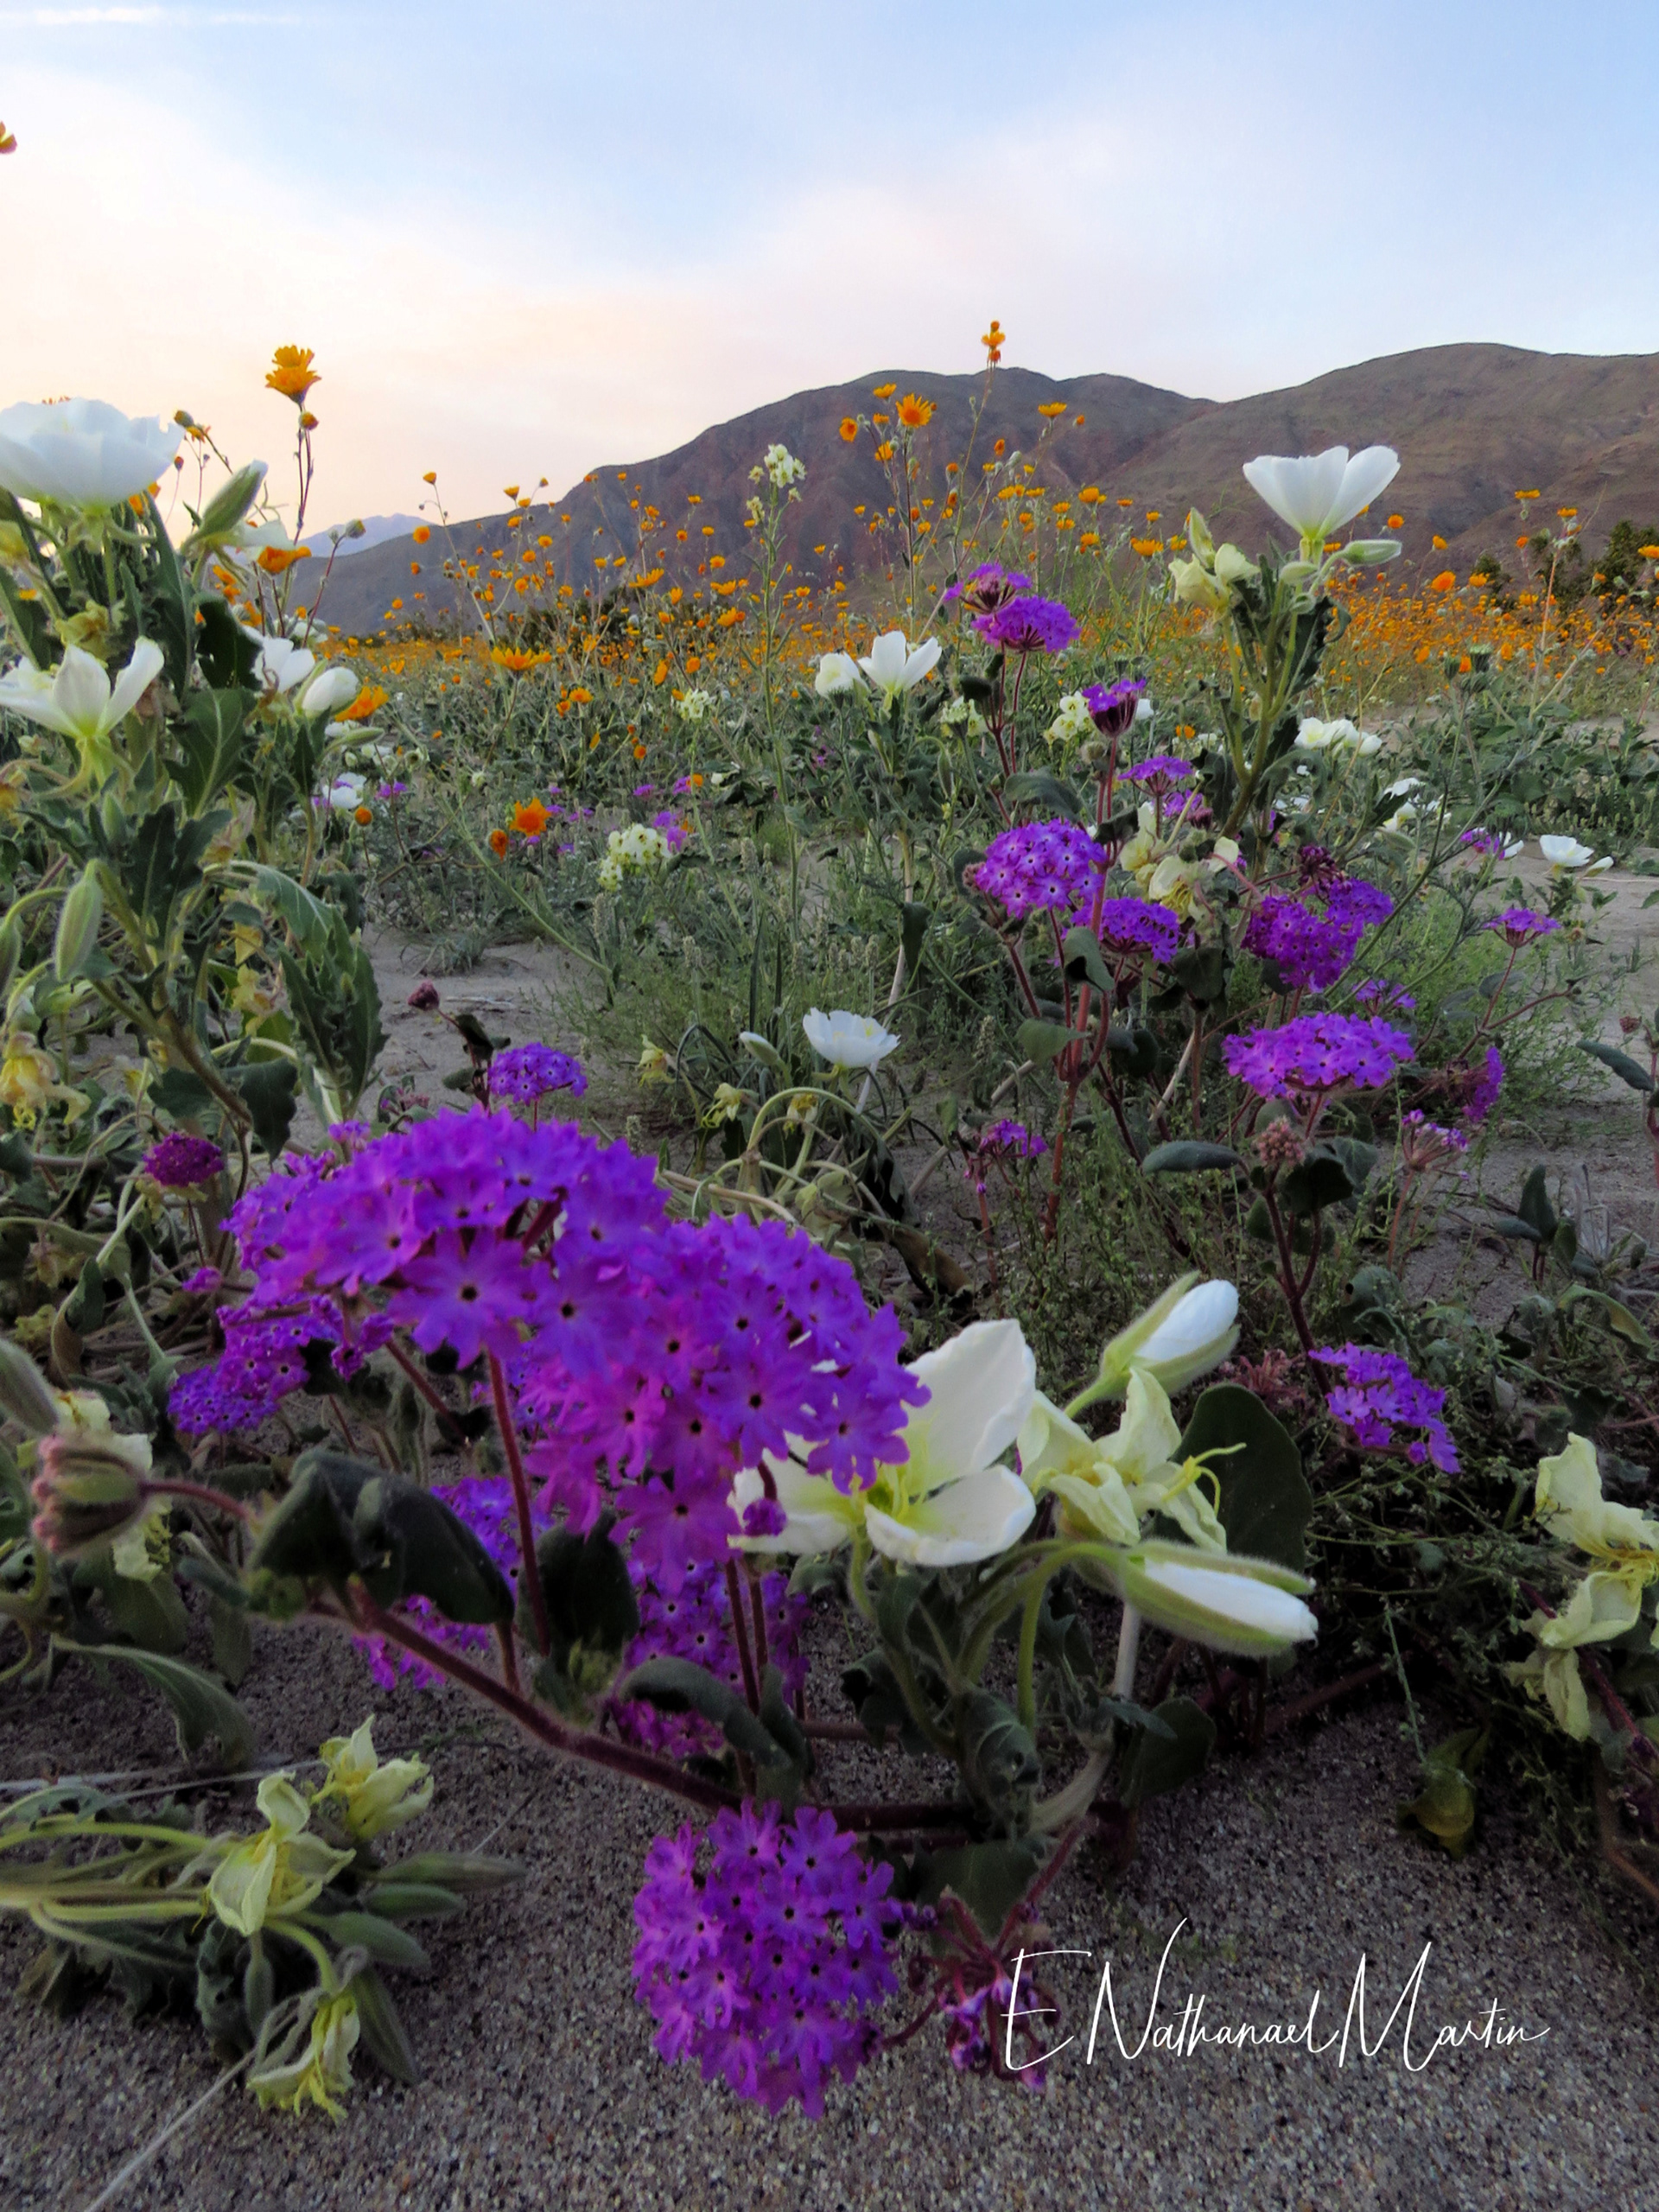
(953, 1500)
(847, 1040)
(893, 666)
(82, 453)
(1317, 493)
(1568, 853)
(78, 701)
(837, 675)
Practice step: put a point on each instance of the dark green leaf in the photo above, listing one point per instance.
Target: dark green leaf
(384, 2032)
(915, 920)
(1155, 1764)
(990, 1878)
(1084, 962)
(386, 1944)
(1188, 1156)
(1044, 1040)
(1315, 1183)
(209, 733)
(1036, 787)
(228, 654)
(679, 1686)
(1137, 1049)
(998, 1755)
(1626, 1069)
(201, 1707)
(1201, 971)
(394, 1898)
(467, 1872)
(233, 1636)
(1535, 1208)
(269, 1089)
(1265, 1502)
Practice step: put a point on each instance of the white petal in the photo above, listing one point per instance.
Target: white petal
(30, 692)
(133, 681)
(1301, 490)
(983, 1383)
(820, 1518)
(1205, 1313)
(969, 1520)
(1236, 1597)
(1368, 473)
(81, 693)
(920, 662)
(885, 663)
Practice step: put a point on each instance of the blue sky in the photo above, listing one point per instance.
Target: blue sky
(527, 238)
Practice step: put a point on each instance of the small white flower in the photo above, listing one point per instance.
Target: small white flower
(1315, 736)
(837, 673)
(893, 666)
(1566, 852)
(639, 849)
(1072, 720)
(82, 453)
(695, 706)
(1316, 493)
(782, 468)
(326, 690)
(848, 1040)
(1401, 785)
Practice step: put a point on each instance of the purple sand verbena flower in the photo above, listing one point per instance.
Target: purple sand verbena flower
(1112, 706)
(1029, 625)
(1317, 1055)
(647, 1360)
(1378, 1396)
(1520, 925)
(695, 1623)
(1385, 996)
(675, 830)
(763, 1945)
(1037, 865)
(1424, 1143)
(1132, 925)
(527, 1073)
(1482, 1088)
(1162, 772)
(986, 587)
(182, 1163)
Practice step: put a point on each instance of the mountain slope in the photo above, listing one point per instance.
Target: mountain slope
(1474, 424)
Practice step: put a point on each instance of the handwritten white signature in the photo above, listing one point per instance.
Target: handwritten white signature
(1182, 2038)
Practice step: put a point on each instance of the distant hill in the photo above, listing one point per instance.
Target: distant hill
(1474, 425)
(377, 529)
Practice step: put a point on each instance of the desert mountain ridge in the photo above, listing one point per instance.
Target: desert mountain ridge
(1474, 425)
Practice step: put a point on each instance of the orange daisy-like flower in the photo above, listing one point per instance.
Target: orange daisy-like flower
(1051, 407)
(274, 559)
(1445, 581)
(1125, 503)
(884, 391)
(529, 820)
(1395, 522)
(581, 695)
(421, 536)
(515, 662)
(993, 341)
(498, 842)
(431, 477)
(369, 701)
(732, 615)
(1091, 538)
(1089, 495)
(849, 428)
(915, 413)
(1528, 495)
(1146, 547)
(1439, 543)
(1649, 552)
(363, 816)
(291, 372)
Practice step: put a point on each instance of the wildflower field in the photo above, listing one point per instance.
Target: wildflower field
(1007, 1260)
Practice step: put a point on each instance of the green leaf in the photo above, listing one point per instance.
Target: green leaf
(1083, 960)
(1535, 1208)
(209, 733)
(307, 918)
(1201, 971)
(680, 1686)
(1626, 1069)
(342, 1517)
(592, 1613)
(1037, 787)
(228, 656)
(269, 1089)
(1188, 1156)
(233, 1636)
(914, 920)
(467, 1872)
(998, 1753)
(394, 1898)
(1155, 1764)
(1136, 1048)
(150, 1614)
(990, 1878)
(1443, 1809)
(183, 1096)
(384, 2032)
(1320, 1181)
(386, 1943)
(1044, 1040)
(201, 1707)
(1265, 1503)
(162, 863)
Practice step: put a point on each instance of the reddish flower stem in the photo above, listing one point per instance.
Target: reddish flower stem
(530, 1574)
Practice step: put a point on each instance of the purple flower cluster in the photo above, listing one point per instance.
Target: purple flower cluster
(761, 1968)
(1133, 925)
(1029, 625)
(1112, 706)
(1482, 1090)
(675, 830)
(181, 1163)
(1309, 950)
(1425, 1144)
(527, 1073)
(1317, 1055)
(986, 587)
(1010, 1141)
(1037, 865)
(651, 1359)
(1519, 925)
(1162, 772)
(695, 1623)
(1379, 1396)
(264, 1360)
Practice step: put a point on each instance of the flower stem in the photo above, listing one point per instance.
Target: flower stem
(530, 1572)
